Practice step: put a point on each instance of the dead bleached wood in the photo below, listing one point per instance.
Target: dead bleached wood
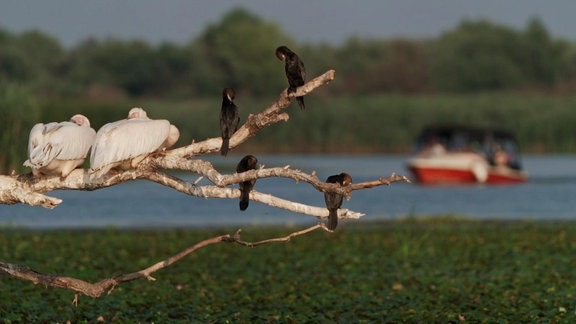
(271, 115)
(75, 181)
(30, 190)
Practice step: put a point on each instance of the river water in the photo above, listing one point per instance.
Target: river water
(549, 194)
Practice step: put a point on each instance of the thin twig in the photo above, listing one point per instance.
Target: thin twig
(236, 237)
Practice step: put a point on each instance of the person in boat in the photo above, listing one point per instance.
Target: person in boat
(433, 148)
(500, 158)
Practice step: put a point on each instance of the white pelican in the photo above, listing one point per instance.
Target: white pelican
(58, 148)
(125, 143)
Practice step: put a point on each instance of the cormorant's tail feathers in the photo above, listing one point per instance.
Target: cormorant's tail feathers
(225, 146)
(300, 101)
(332, 219)
(244, 199)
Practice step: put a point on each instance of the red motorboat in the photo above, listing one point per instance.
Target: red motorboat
(458, 154)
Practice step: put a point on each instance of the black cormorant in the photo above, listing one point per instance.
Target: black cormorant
(247, 163)
(229, 118)
(295, 71)
(334, 200)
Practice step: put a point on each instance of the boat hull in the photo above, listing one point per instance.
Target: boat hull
(461, 168)
(440, 176)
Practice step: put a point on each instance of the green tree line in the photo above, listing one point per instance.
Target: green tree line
(385, 89)
(238, 51)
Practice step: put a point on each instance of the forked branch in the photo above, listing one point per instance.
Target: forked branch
(30, 190)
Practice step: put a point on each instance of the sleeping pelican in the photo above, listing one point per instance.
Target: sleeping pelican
(58, 148)
(125, 143)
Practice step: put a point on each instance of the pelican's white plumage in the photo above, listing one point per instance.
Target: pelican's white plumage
(125, 143)
(58, 148)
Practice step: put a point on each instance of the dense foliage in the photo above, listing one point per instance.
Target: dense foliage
(355, 124)
(441, 270)
(384, 123)
(18, 113)
(238, 51)
(384, 92)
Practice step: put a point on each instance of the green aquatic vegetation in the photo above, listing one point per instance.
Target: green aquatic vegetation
(439, 270)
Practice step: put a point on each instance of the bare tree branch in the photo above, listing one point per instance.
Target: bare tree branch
(74, 181)
(255, 123)
(31, 190)
(96, 290)
(28, 190)
(236, 237)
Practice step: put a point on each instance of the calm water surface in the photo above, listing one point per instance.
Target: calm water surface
(549, 194)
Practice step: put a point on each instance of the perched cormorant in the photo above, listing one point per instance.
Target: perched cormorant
(229, 118)
(247, 163)
(334, 200)
(295, 71)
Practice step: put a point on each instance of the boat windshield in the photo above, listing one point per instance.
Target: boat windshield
(498, 147)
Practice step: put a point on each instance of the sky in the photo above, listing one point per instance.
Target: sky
(311, 21)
